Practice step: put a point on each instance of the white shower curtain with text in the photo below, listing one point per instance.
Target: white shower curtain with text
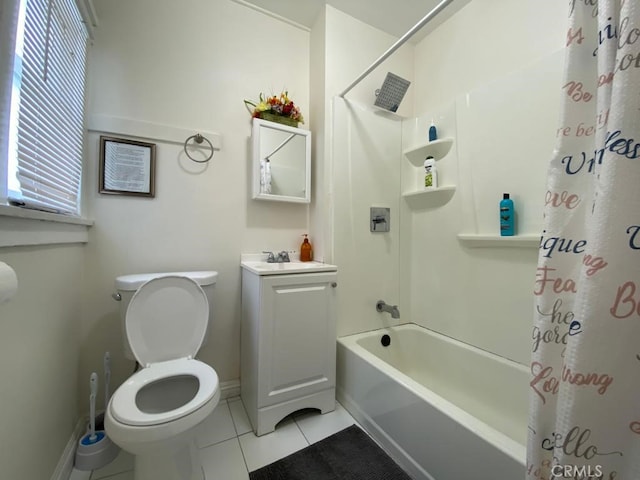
(585, 366)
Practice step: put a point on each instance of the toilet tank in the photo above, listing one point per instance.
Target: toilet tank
(127, 285)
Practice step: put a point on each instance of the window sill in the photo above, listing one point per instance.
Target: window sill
(21, 226)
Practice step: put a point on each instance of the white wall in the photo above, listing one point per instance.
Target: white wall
(490, 76)
(362, 153)
(351, 47)
(190, 65)
(39, 356)
(320, 208)
(483, 41)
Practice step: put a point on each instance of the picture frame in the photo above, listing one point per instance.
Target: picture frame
(127, 167)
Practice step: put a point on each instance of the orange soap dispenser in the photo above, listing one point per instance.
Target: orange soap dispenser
(306, 250)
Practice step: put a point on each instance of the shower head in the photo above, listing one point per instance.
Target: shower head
(392, 92)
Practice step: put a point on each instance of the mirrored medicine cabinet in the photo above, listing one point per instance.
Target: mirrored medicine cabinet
(281, 168)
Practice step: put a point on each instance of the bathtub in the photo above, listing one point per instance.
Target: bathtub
(444, 410)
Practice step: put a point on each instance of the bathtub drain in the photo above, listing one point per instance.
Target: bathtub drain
(385, 340)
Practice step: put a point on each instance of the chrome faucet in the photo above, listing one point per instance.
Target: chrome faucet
(281, 257)
(381, 306)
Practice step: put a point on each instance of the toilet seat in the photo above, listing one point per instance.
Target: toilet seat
(123, 404)
(167, 319)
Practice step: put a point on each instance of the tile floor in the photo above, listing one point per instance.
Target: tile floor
(230, 450)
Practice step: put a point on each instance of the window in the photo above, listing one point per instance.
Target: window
(46, 126)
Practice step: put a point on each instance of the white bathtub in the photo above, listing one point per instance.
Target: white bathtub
(443, 409)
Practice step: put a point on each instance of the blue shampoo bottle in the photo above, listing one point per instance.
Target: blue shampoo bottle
(433, 133)
(507, 216)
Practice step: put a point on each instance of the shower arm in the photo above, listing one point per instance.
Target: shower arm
(401, 41)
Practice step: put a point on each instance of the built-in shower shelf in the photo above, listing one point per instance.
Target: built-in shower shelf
(474, 240)
(429, 197)
(428, 192)
(437, 149)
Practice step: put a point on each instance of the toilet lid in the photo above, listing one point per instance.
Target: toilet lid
(167, 319)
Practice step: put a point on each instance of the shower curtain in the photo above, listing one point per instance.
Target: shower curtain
(585, 365)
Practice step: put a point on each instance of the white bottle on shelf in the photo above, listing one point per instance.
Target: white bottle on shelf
(430, 173)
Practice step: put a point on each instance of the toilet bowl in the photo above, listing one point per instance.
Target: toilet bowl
(155, 412)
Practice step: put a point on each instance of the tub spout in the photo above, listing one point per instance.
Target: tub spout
(381, 306)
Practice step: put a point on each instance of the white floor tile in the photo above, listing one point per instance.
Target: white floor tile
(122, 463)
(239, 415)
(224, 461)
(230, 457)
(217, 427)
(79, 475)
(261, 451)
(316, 426)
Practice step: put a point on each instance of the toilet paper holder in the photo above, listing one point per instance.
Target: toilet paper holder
(8, 282)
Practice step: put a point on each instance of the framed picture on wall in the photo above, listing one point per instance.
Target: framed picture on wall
(127, 167)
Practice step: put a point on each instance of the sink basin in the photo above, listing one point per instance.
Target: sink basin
(264, 268)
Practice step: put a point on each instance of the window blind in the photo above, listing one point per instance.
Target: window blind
(52, 104)
(9, 10)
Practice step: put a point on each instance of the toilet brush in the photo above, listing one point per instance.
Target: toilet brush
(107, 377)
(93, 389)
(107, 380)
(95, 449)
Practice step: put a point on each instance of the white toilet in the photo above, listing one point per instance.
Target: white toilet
(153, 414)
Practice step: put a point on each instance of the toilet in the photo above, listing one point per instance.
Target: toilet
(155, 413)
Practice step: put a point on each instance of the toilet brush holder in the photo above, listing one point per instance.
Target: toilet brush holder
(94, 453)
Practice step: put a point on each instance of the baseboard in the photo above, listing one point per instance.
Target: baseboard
(230, 389)
(65, 464)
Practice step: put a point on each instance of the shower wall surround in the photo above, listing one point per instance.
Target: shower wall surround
(506, 137)
(367, 150)
(503, 140)
(504, 94)
(502, 111)
(485, 41)
(501, 143)
(358, 154)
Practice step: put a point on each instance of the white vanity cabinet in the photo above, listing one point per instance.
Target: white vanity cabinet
(288, 344)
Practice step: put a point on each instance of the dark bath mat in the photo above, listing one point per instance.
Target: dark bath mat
(347, 455)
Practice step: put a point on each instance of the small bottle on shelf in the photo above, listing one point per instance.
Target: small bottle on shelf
(507, 216)
(430, 173)
(433, 133)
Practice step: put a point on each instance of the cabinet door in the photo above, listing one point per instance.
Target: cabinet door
(297, 336)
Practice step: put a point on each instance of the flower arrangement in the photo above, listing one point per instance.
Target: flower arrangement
(277, 109)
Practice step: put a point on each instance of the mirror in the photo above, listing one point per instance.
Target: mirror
(281, 162)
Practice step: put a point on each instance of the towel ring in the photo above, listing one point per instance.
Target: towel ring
(198, 139)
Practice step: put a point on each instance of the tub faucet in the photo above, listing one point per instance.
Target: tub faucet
(381, 306)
